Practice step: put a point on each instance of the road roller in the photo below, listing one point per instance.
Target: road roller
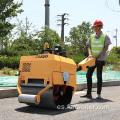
(47, 80)
(87, 62)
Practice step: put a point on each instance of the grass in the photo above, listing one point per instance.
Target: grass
(114, 61)
(8, 71)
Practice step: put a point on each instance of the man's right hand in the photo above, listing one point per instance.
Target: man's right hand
(90, 56)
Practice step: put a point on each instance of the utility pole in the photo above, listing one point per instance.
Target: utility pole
(47, 4)
(62, 25)
(116, 36)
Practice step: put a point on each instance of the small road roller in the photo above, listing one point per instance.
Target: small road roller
(46, 80)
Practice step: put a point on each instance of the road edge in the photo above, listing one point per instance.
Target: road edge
(6, 92)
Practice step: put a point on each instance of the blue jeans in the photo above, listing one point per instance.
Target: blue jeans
(99, 65)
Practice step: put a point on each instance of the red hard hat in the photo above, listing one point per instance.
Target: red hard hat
(97, 23)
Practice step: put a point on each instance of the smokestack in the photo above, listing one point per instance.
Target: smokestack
(47, 12)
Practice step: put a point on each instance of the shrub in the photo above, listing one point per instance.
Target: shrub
(112, 59)
(9, 71)
(77, 58)
(115, 51)
(10, 62)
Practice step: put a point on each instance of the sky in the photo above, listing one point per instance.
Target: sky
(79, 10)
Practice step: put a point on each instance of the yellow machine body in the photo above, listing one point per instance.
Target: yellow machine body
(47, 70)
(87, 62)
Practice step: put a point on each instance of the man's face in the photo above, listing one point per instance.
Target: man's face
(97, 28)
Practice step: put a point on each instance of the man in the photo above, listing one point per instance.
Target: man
(97, 47)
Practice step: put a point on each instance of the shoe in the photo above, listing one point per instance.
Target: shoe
(98, 96)
(87, 96)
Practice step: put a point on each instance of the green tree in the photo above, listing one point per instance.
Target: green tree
(47, 35)
(24, 43)
(8, 10)
(24, 31)
(115, 51)
(78, 37)
(33, 43)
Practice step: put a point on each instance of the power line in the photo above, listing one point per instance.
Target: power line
(112, 8)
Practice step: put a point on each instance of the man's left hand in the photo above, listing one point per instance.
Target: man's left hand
(96, 56)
